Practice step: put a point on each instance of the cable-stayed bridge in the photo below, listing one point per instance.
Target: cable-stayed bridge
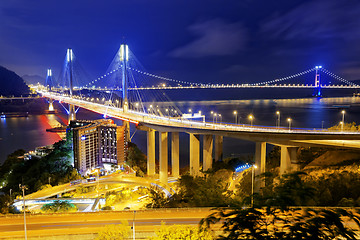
(119, 94)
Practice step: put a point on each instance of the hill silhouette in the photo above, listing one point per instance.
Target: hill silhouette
(12, 84)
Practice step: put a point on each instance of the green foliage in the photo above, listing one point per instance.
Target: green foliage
(180, 232)
(136, 159)
(335, 186)
(207, 191)
(114, 232)
(59, 207)
(157, 198)
(35, 173)
(350, 127)
(277, 223)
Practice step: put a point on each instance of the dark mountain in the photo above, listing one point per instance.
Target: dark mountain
(34, 79)
(12, 84)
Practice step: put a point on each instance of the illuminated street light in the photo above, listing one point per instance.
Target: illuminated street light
(22, 187)
(252, 184)
(343, 118)
(189, 110)
(235, 113)
(251, 118)
(342, 125)
(289, 121)
(278, 118)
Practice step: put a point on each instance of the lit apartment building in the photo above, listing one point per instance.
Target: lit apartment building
(97, 143)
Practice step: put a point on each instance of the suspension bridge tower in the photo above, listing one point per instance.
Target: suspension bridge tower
(69, 57)
(317, 91)
(124, 58)
(48, 84)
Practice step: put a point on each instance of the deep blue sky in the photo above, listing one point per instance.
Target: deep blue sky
(198, 41)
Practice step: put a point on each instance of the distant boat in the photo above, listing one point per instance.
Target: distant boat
(57, 129)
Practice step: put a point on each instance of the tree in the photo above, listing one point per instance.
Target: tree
(114, 232)
(136, 159)
(59, 207)
(180, 232)
(275, 223)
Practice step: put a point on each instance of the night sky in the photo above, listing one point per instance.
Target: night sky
(231, 41)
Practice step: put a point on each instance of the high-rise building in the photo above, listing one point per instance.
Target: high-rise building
(97, 143)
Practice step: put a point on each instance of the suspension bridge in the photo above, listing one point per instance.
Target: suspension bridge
(120, 94)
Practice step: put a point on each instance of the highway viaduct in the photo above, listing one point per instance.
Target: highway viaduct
(288, 139)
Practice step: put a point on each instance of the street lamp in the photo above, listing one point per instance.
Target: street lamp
(23, 190)
(289, 121)
(342, 125)
(235, 113)
(278, 118)
(252, 184)
(220, 118)
(190, 110)
(134, 226)
(251, 118)
(343, 119)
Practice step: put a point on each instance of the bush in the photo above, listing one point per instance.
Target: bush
(180, 232)
(114, 232)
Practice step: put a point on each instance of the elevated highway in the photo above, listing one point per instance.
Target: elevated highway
(288, 139)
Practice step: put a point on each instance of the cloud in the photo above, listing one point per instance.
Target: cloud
(214, 38)
(316, 20)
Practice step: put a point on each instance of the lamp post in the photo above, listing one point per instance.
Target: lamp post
(133, 227)
(49, 180)
(22, 187)
(235, 113)
(251, 118)
(10, 195)
(343, 120)
(342, 125)
(289, 121)
(252, 184)
(220, 118)
(278, 119)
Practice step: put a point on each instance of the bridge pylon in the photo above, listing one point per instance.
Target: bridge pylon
(317, 90)
(124, 58)
(48, 84)
(72, 112)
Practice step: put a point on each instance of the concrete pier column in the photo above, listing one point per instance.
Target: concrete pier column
(72, 113)
(260, 162)
(151, 152)
(207, 151)
(285, 160)
(218, 148)
(194, 154)
(295, 166)
(163, 157)
(127, 131)
(175, 154)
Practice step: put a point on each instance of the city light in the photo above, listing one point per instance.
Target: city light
(251, 118)
(278, 119)
(289, 121)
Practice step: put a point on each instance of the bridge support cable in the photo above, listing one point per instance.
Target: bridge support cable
(338, 77)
